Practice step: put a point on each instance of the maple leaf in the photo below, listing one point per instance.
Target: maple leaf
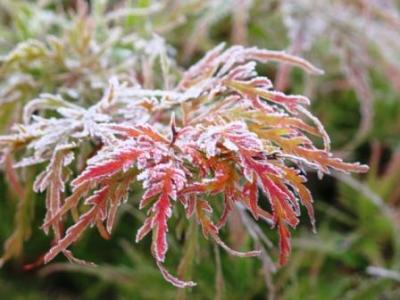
(222, 131)
(165, 181)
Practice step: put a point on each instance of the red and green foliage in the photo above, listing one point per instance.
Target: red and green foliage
(221, 131)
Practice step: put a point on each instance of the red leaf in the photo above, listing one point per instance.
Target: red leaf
(109, 165)
(74, 232)
(284, 242)
(166, 181)
(251, 192)
(163, 212)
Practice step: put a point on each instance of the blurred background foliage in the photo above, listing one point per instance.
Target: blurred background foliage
(356, 252)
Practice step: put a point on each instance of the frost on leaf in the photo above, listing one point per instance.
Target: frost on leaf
(362, 36)
(222, 133)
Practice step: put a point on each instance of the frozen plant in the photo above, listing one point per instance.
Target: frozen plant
(363, 38)
(222, 132)
(74, 54)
